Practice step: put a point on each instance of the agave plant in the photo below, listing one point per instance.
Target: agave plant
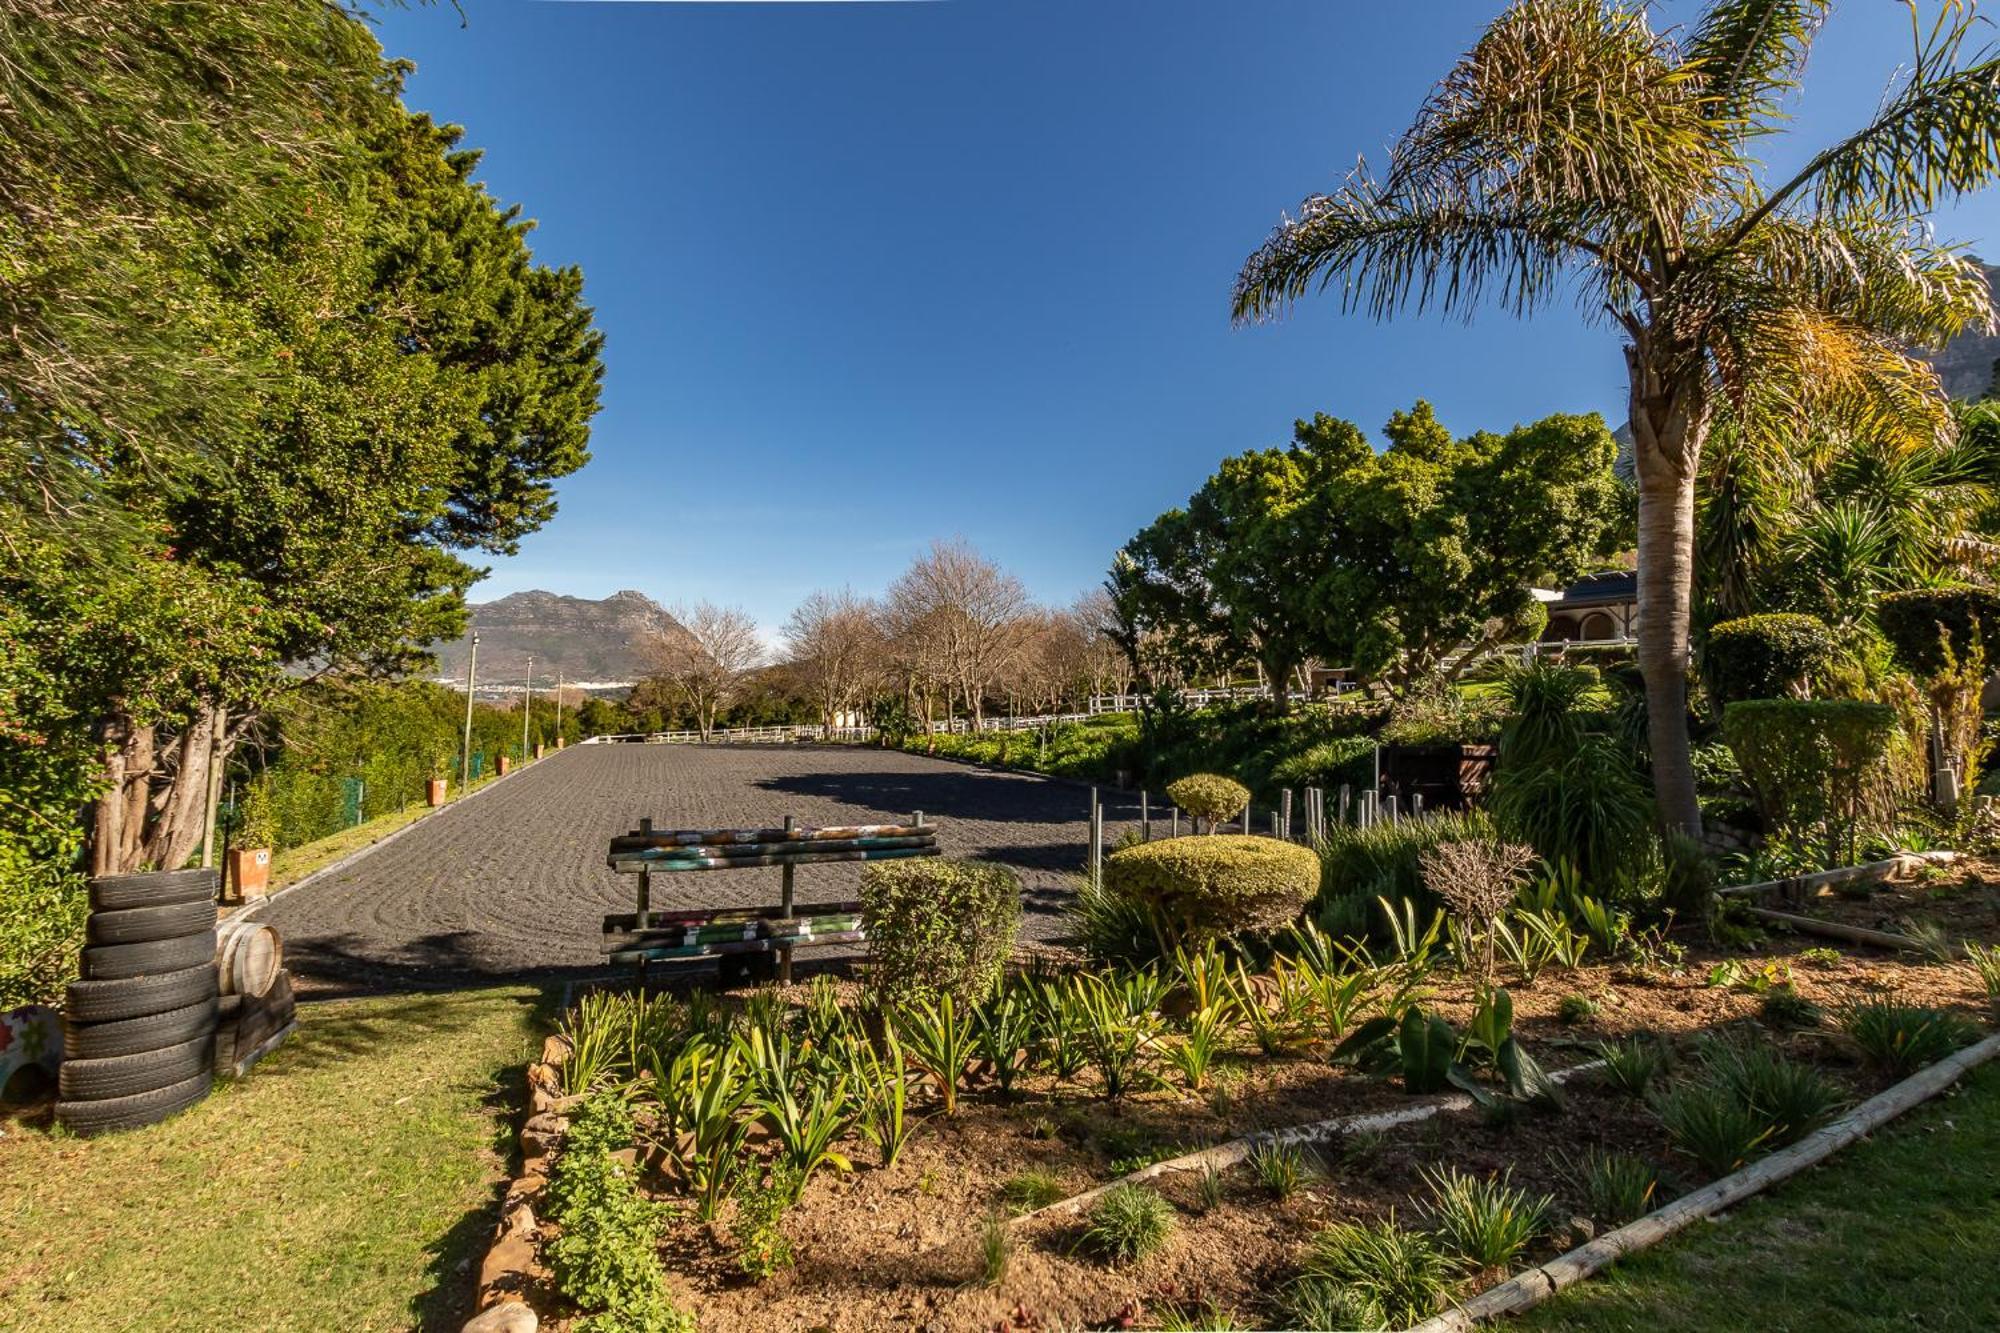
(939, 1040)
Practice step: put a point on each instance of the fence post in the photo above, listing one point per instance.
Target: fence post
(1416, 805)
(1177, 820)
(1275, 825)
(1096, 839)
(1346, 801)
(1285, 814)
(1145, 818)
(1370, 804)
(785, 904)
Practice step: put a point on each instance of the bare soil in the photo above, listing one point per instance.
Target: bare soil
(1961, 900)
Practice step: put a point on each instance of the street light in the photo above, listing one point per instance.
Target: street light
(465, 755)
(527, 707)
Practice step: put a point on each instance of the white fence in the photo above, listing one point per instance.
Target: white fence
(739, 735)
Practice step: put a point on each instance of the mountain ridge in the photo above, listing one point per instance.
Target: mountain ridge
(598, 643)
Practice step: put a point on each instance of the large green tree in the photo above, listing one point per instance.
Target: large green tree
(1576, 151)
(1400, 563)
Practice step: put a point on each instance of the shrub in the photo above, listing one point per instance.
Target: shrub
(1361, 864)
(1931, 629)
(939, 927)
(1485, 1223)
(1209, 797)
(1209, 887)
(605, 1258)
(1617, 1187)
(42, 909)
(1766, 656)
(1403, 1273)
(1711, 1125)
(1574, 1008)
(762, 1249)
(1793, 1098)
(1587, 806)
(1479, 882)
(1344, 759)
(1128, 1222)
(1818, 768)
(1903, 1038)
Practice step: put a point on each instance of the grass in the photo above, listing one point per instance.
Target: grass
(1898, 1232)
(348, 1182)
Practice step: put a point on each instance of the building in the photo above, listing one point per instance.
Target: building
(1595, 608)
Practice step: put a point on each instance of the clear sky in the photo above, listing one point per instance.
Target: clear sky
(872, 274)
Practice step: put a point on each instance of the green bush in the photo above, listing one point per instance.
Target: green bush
(605, 1258)
(939, 927)
(1211, 887)
(1765, 657)
(1922, 624)
(1128, 1222)
(1344, 759)
(1566, 785)
(1819, 769)
(42, 907)
(1209, 796)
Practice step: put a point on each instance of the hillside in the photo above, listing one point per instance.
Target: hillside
(591, 643)
(1966, 365)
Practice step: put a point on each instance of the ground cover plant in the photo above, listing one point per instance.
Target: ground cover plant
(1072, 1073)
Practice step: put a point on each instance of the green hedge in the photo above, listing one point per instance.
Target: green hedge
(1209, 796)
(1765, 656)
(937, 927)
(1924, 623)
(1215, 887)
(1820, 769)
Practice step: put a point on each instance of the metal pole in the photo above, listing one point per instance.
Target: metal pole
(559, 685)
(1145, 819)
(527, 707)
(785, 903)
(465, 754)
(1285, 814)
(1096, 851)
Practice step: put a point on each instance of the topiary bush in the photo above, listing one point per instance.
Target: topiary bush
(1766, 656)
(938, 927)
(1209, 887)
(1209, 797)
(1924, 624)
(1820, 769)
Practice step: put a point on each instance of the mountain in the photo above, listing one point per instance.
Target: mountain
(1967, 363)
(592, 644)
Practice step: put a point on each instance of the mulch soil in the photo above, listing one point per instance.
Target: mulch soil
(1961, 900)
(899, 1248)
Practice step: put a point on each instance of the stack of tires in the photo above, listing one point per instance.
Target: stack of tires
(139, 1027)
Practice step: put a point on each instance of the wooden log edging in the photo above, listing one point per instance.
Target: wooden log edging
(1527, 1290)
(1799, 887)
(1838, 930)
(513, 1264)
(1236, 1151)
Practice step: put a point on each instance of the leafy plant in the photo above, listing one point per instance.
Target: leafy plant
(885, 1096)
(1114, 1039)
(808, 1129)
(595, 1028)
(1128, 1222)
(1335, 985)
(1426, 1044)
(604, 1257)
(1985, 961)
(1194, 1051)
(1634, 1064)
(1003, 1030)
(1312, 1302)
(1711, 1125)
(1027, 1191)
(1207, 888)
(1208, 1190)
(1553, 939)
(1903, 1038)
(702, 1093)
(1283, 1168)
(1403, 1273)
(938, 1037)
(1484, 1222)
(761, 1247)
(1617, 1187)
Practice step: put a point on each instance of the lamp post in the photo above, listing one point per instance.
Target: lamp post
(527, 707)
(465, 754)
(559, 685)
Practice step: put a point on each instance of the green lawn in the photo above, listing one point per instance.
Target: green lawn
(1900, 1232)
(348, 1183)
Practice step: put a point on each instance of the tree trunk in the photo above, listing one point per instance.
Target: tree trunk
(1668, 421)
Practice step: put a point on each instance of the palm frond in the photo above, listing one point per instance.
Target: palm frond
(1787, 366)
(1937, 134)
(1388, 253)
(1885, 273)
(1749, 54)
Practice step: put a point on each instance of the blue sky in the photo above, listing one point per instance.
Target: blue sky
(872, 274)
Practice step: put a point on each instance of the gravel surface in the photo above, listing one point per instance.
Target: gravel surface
(513, 882)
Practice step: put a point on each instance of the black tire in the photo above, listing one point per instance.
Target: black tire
(143, 925)
(115, 893)
(136, 997)
(128, 1075)
(145, 1108)
(111, 962)
(97, 1041)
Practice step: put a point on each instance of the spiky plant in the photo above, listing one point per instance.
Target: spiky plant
(1484, 1222)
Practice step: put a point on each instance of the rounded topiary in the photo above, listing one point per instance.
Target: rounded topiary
(1920, 623)
(937, 927)
(1209, 796)
(1766, 656)
(1202, 888)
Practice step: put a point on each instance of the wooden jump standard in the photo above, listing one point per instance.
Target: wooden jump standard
(669, 934)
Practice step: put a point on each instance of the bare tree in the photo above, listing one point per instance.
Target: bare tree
(964, 608)
(834, 640)
(1106, 661)
(706, 664)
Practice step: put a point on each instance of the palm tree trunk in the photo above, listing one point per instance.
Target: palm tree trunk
(1667, 424)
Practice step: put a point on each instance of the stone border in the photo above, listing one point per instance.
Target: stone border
(513, 1264)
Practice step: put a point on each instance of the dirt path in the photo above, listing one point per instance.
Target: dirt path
(513, 883)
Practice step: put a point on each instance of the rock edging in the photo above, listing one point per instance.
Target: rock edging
(513, 1266)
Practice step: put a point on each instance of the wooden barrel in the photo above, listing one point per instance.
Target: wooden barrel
(248, 956)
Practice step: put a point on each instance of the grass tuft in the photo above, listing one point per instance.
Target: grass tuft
(1484, 1223)
(1128, 1223)
(1402, 1274)
(1903, 1038)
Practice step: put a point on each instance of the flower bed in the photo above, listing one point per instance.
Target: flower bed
(1753, 1049)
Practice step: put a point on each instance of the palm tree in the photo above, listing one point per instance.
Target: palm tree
(1576, 149)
